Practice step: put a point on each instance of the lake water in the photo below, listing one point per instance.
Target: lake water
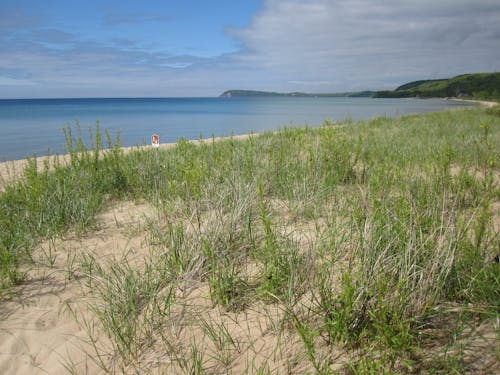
(33, 126)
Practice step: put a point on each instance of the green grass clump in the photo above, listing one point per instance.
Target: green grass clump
(366, 234)
(50, 200)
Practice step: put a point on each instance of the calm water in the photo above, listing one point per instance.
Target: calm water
(33, 126)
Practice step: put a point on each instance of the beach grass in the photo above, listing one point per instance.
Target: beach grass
(377, 240)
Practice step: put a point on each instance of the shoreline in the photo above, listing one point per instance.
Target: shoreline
(12, 170)
(486, 103)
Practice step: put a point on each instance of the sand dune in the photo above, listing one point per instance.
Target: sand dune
(49, 325)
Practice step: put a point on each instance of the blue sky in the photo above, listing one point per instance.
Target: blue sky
(111, 48)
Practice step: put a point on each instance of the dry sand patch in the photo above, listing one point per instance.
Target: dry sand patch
(38, 327)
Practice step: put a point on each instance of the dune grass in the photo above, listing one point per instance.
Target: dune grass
(372, 237)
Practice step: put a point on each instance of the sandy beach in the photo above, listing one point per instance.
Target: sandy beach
(45, 326)
(48, 326)
(486, 103)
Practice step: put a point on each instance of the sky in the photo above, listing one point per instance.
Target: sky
(198, 48)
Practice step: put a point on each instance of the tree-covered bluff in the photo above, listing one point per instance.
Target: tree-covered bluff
(472, 86)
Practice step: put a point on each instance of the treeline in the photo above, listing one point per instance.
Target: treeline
(474, 86)
(255, 93)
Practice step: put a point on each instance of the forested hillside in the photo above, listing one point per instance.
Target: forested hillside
(473, 86)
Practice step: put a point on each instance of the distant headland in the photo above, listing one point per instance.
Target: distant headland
(254, 93)
(480, 86)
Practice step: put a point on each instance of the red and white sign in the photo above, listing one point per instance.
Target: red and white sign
(155, 140)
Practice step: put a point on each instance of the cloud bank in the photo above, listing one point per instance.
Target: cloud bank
(372, 43)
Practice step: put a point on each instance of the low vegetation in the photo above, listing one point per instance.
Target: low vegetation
(373, 246)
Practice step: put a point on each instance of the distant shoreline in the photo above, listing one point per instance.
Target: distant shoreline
(487, 103)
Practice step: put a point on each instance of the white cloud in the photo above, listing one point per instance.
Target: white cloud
(133, 18)
(7, 81)
(308, 83)
(371, 43)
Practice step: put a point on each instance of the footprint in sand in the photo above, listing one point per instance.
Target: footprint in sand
(46, 321)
